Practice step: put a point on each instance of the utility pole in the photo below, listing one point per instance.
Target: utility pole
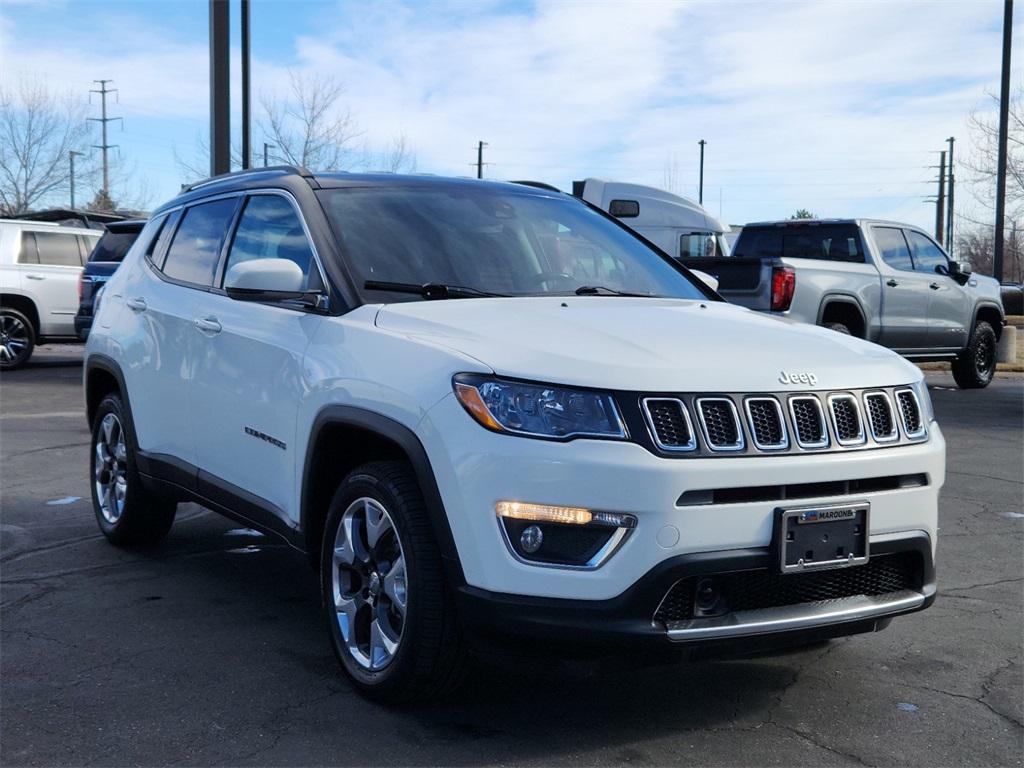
(267, 146)
(700, 188)
(480, 159)
(103, 91)
(220, 87)
(940, 201)
(949, 211)
(71, 160)
(246, 90)
(1004, 120)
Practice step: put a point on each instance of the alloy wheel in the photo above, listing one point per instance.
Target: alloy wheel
(368, 581)
(14, 339)
(984, 356)
(110, 472)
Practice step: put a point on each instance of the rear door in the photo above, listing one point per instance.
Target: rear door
(51, 261)
(248, 377)
(905, 292)
(949, 307)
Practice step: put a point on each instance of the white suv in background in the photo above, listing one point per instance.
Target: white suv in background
(39, 268)
(493, 416)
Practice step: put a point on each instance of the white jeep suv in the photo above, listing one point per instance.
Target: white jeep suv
(493, 416)
(40, 264)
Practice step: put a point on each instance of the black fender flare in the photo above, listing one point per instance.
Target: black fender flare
(106, 364)
(977, 311)
(842, 298)
(409, 443)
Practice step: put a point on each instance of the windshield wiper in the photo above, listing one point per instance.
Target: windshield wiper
(600, 290)
(430, 290)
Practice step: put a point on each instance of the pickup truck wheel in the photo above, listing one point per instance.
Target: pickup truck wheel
(17, 339)
(839, 328)
(127, 513)
(976, 365)
(390, 611)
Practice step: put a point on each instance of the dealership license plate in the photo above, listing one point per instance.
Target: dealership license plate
(829, 536)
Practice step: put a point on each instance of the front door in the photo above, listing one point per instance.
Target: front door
(949, 308)
(905, 293)
(248, 376)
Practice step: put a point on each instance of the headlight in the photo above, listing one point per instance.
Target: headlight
(925, 399)
(538, 410)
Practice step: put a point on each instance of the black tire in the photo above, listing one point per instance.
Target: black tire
(429, 659)
(976, 365)
(139, 517)
(17, 339)
(838, 328)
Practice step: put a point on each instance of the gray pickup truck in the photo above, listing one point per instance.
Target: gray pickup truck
(886, 282)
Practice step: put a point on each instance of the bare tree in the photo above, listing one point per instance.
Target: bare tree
(310, 128)
(397, 157)
(981, 165)
(671, 175)
(38, 128)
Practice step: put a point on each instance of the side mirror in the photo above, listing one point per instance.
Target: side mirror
(708, 280)
(265, 280)
(964, 267)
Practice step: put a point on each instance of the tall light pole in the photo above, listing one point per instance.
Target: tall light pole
(700, 188)
(220, 87)
(71, 160)
(1004, 125)
(246, 90)
(949, 211)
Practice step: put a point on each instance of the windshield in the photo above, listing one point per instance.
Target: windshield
(502, 242)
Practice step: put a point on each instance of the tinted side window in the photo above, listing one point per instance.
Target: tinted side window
(758, 243)
(112, 246)
(927, 255)
(194, 252)
(270, 229)
(894, 248)
(28, 253)
(58, 248)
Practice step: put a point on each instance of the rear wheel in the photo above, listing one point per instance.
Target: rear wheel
(839, 328)
(976, 365)
(390, 612)
(126, 512)
(17, 339)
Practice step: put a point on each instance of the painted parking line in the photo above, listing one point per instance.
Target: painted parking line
(51, 415)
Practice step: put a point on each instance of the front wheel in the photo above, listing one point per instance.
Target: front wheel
(389, 610)
(17, 339)
(976, 365)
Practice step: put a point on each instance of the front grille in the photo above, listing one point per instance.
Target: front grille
(880, 416)
(670, 424)
(910, 412)
(721, 424)
(763, 588)
(767, 427)
(846, 419)
(808, 421)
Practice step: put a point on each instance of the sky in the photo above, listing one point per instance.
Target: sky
(837, 107)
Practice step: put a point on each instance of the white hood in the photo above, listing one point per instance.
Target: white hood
(645, 344)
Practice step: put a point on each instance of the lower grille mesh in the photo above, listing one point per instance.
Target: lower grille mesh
(763, 588)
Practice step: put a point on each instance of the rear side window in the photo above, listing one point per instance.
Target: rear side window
(826, 242)
(113, 246)
(893, 247)
(58, 249)
(928, 257)
(28, 253)
(270, 229)
(193, 255)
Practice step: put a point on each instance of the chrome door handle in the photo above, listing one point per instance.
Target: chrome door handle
(35, 277)
(207, 325)
(139, 304)
(934, 286)
(891, 283)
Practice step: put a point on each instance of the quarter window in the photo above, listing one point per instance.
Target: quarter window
(271, 229)
(195, 250)
(58, 249)
(28, 253)
(894, 249)
(928, 257)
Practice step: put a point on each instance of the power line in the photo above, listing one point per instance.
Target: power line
(103, 91)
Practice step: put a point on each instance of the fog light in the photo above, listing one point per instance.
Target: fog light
(531, 539)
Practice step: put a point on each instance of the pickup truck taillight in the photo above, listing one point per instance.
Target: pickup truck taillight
(783, 285)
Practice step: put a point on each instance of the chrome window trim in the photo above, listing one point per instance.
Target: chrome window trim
(892, 415)
(780, 446)
(921, 433)
(861, 437)
(690, 446)
(741, 441)
(825, 441)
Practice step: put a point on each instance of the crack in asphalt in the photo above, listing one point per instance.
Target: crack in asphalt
(979, 586)
(987, 477)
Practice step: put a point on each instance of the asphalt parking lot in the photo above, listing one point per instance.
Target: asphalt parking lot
(210, 651)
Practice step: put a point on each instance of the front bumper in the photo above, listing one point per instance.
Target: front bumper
(504, 620)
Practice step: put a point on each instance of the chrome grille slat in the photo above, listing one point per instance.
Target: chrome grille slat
(668, 421)
(881, 417)
(846, 419)
(720, 424)
(766, 422)
(910, 414)
(808, 421)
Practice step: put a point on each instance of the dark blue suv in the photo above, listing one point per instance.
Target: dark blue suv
(103, 262)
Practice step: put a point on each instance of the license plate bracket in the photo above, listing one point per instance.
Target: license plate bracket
(822, 536)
